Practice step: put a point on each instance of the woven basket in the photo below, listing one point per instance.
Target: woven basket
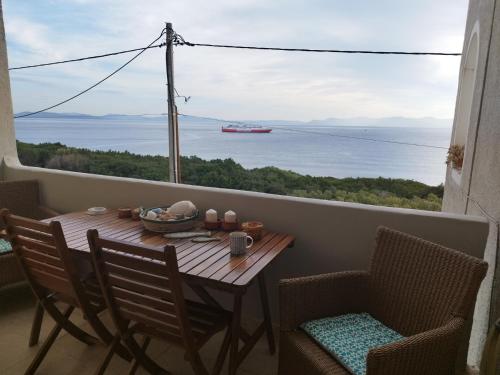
(161, 226)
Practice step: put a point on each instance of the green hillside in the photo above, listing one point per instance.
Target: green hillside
(229, 174)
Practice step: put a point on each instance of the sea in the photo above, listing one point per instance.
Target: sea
(316, 149)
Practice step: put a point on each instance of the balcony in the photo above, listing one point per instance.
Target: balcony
(330, 236)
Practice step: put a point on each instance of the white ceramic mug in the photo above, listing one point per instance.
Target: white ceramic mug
(238, 242)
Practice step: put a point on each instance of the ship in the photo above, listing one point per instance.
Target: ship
(245, 129)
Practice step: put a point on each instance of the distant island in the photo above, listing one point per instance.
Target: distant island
(401, 122)
(72, 115)
(229, 174)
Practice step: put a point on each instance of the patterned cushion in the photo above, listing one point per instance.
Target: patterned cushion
(348, 338)
(4, 246)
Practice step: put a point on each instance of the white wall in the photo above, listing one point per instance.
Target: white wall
(7, 137)
(477, 191)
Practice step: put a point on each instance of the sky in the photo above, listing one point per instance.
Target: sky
(240, 84)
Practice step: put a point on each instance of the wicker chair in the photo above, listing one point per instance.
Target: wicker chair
(422, 290)
(21, 198)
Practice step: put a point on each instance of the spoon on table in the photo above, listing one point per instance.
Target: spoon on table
(205, 239)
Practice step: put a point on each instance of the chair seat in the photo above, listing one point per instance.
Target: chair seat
(5, 247)
(205, 320)
(308, 357)
(349, 337)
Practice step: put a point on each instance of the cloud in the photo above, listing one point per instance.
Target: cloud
(29, 37)
(242, 84)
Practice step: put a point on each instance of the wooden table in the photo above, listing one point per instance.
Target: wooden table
(201, 265)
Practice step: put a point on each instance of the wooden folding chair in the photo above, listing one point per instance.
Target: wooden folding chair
(52, 274)
(143, 290)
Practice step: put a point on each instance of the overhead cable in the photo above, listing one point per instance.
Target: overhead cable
(88, 57)
(181, 42)
(95, 84)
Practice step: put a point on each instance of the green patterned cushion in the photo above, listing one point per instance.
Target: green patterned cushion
(349, 337)
(4, 246)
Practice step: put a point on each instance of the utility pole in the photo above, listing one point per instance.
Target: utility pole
(173, 126)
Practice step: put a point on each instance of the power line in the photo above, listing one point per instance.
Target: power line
(362, 138)
(88, 57)
(324, 134)
(181, 42)
(95, 84)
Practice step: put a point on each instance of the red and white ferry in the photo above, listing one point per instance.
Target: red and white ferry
(245, 129)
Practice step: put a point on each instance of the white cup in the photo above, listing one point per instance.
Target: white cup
(238, 242)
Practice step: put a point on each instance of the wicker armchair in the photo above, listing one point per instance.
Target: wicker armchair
(422, 290)
(21, 198)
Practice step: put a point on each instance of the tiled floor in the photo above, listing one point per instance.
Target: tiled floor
(69, 356)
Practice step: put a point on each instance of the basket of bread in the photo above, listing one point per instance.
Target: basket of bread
(180, 216)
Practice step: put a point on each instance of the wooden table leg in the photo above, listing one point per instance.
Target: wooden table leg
(235, 335)
(266, 312)
(237, 354)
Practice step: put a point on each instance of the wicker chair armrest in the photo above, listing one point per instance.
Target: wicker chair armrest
(313, 297)
(432, 352)
(46, 212)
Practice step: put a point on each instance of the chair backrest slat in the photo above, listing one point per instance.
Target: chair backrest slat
(139, 287)
(28, 253)
(34, 234)
(141, 284)
(139, 276)
(150, 322)
(145, 310)
(130, 249)
(142, 299)
(132, 262)
(30, 223)
(45, 267)
(51, 282)
(37, 246)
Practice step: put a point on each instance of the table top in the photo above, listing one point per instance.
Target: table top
(209, 261)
